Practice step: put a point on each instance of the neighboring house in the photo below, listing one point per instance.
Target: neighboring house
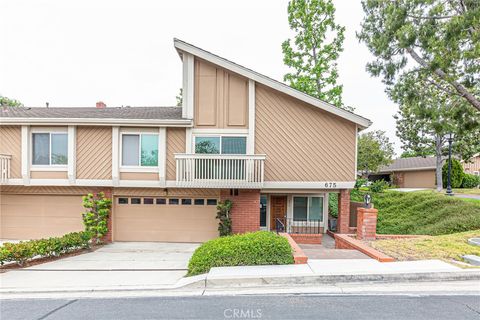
(472, 166)
(415, 172)
(239, 135)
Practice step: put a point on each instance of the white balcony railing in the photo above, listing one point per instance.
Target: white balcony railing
(5, 167)
(219, 170)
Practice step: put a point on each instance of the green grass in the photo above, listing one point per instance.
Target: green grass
(445, 247)
(423, 212)
(467, 191)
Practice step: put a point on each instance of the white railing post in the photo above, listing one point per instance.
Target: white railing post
(5, 167)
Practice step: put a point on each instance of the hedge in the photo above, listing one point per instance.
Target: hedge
(257, 248)
(470, 181)
(52, 247)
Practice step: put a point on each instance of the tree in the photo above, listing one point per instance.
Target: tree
(179, 98)
(427, 114)
(437, 39)
(374, 150)
(316, 46)
(7, 102)
(456, 174)
(95, 218)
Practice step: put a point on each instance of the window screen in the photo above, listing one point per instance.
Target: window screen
(130, 144)
(300, 208)
(315, 209)
(234, 145)
(41, 148)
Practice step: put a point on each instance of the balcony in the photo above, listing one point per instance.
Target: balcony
(5, 167)
(219, 171)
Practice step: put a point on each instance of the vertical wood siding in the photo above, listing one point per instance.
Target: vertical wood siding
(302, 143)
(473, 166)
(175, 144)
(94, 153)
(11, 143)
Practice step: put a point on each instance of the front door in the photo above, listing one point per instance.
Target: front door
(278, 209)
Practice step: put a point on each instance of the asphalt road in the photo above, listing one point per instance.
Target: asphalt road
(247, 307)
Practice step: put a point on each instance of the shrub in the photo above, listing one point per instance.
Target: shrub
(95, 218)
(470, 181)
(223, 214)
(360, 183)
(456, 175)
(333, 204)
(258, 248)
(379, 186)
(26, 250)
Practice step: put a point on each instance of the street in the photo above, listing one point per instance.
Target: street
(248, 307)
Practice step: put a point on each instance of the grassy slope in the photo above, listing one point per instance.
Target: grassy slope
(426, 213)
(445, 247)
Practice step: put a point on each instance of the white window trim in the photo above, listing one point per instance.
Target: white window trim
(48, 167)
(219, 135)
(308, 196)
(138, 168)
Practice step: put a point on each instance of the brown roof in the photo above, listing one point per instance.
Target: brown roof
(406, 164)
(151, 113)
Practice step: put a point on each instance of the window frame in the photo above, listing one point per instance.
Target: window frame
(49, 166)
(139, 168)
(309, 197)
(220, 135)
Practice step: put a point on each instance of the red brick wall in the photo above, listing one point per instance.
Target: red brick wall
(245, 212)
(366, 223)
(303, 238)
(343, 220)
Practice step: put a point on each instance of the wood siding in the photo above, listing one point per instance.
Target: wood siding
(138, 176)
(473, 166)
(94, 153)
(221, 97)
(11, 144)
(175, 144)
(48, 175)
(302, 143)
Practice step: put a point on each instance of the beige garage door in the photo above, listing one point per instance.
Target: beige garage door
(26, 217)
(164, 219)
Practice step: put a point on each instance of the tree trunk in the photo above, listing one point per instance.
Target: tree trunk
(438, 154)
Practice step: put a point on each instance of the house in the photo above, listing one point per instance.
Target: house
(414, 172)
(274, 151)
(472, 166)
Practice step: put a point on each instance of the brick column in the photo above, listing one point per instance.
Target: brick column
(245, 211)
(343, 219)
(366, 223)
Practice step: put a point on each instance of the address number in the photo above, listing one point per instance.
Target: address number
(330, 184)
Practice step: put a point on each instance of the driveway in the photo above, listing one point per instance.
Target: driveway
(119, 264)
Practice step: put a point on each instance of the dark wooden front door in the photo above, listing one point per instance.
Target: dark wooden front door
(278, 209)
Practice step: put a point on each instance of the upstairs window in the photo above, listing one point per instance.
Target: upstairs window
(49, 148)
(140, 150)
(220, 145)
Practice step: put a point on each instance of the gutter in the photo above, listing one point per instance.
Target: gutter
(99, 122)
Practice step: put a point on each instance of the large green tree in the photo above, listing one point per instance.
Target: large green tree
(314, 50)
(427, 114)
(439, 39)
(7, 102)
(374, 150)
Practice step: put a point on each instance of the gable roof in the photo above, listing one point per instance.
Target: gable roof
(183, 46)
(410, 164)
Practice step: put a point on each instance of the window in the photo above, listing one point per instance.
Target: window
(147, 200)
(173, 201)
(211, 202)
(161, 201)
(263, 210)
(49, 148)
(135, 201)
(122, 200)
(186, 201)
(140, 150)
(476, 173)
(199, 202)
(221, 145)
(308, 208)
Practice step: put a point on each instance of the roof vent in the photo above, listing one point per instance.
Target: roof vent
(101, 105)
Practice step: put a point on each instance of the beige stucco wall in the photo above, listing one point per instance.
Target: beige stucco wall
(48, 175)
(11, 144)
(302, 142)
(175, 144)
(138, 176)
(221, 97)
(471, 167)
(419, 179)
(94, 153)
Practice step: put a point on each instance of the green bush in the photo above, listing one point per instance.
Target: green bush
(95, 218)
(52, 247)
(333, 204)
(360, 182)
(223, 215)
(470, 181)
(379, 186)
(257, 248)
(456, 175)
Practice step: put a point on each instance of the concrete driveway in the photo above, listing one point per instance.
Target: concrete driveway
(120, 264)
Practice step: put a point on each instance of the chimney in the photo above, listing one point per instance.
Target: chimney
(101, 105)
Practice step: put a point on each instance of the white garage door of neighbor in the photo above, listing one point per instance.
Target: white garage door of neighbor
(24, 217)
(159, 219)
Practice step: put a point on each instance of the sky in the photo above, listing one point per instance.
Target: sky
(75, 53)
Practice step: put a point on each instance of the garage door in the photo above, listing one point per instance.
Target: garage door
(24, 217)
(164, 219)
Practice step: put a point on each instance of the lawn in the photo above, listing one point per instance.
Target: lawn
(467, 191)
(423, 213)
(445, 247)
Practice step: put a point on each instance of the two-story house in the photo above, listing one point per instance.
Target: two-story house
(274, 151)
